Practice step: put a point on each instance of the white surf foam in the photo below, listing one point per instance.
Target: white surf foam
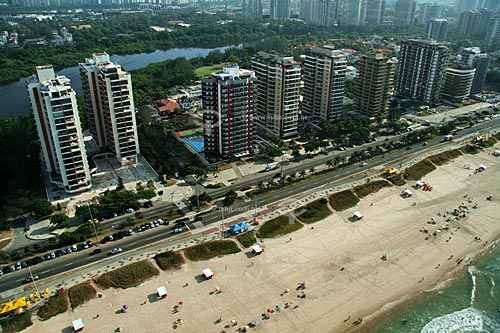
(467, 320)
(472, 270)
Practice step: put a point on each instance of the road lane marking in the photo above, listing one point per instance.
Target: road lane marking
(45, 271)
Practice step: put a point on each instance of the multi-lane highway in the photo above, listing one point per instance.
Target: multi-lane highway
(75, 260)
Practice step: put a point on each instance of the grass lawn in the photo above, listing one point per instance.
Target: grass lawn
(169, 260)
(417, 171)
(343, 200)
(16, 323)
(444, 157)
(128, 276)
(55, 305)
(80, 294)
(397, 180)
(247, 239)
(371, 187)
(278, 226)
(497, 135)
(209, 250)
(207, 70)
(313, 212)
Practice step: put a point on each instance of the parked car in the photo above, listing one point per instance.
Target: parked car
(129, 210)
(115, 250)
(31, 278)
(179, 224)
(18, 266)
(74, 248)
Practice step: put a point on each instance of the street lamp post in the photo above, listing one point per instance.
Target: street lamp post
(222, 222)
(93, 224)
(33, 280)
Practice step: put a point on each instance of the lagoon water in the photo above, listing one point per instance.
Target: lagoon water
(15, 98)
(468, 304)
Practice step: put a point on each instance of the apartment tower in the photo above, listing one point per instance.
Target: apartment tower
(228, 107)
(279, 10)
(277, 95)
(59, 130)
(457, 83)
(324, 83)
(252, 9)
(375, 11)
(420, 70)
(374, 84)
(110, 107)
(472, 56)
(404, 12)
(437, 29)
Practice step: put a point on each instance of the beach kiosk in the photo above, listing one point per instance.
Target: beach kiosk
(407, 193)
(256, 250)
(207, 273)
(77, 325)
(496, 153)
(357, 216)
(238, 228)
(162, 292)
(419, 184)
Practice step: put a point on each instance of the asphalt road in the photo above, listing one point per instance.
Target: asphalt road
(128, 244)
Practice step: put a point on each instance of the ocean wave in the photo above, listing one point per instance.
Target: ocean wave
(467, 320)
(472, 271)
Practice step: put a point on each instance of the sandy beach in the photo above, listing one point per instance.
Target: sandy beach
(339, 261)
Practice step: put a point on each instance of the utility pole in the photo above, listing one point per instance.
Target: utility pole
(255, 209)
(222, 223)
(93, 224)
(33, 280)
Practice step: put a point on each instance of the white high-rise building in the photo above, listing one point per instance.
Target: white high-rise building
(110, 106)
(324, 83)
(277, 94)
(228, 109)
(58, 124)
(279, 10)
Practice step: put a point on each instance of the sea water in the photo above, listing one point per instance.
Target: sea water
(468, 304)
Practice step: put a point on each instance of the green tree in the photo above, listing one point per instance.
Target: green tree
(230, 198)
(42, 207)
(57, 219)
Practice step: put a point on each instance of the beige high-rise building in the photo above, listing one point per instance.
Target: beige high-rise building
(374, 84)
(58, 124)
(110, 107)
(457, 83)
(324, 83)
(277, 94)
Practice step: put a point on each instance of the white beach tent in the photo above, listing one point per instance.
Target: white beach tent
(497, 153)
(358, 215)
(77, 325)
(207, 273)
(162, 292)
(419, 184)
(256, 249)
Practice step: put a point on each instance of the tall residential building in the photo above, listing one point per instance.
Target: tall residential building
(58, 125)
(279, 10)
(465, 5)
(404, 12)
(375, 11)
(374, 84)
(307, 10)
(474, 23)
(277, 95)
(473, 57)
(492, 5)
(110, 107)
(437, 29)
(420, 70)
(228, 110)
(493, 29)
(457, 83)
(252, 9)
(354, 12)
(324, 83)
(430, 12)
(327, 13)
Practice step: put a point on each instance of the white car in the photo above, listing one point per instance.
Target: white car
(116, 250)
(31, 279)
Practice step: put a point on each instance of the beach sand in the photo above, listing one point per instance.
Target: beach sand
(340, 262)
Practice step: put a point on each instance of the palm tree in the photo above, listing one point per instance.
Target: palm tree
(311, 170)
(302, 173)
(329, 163)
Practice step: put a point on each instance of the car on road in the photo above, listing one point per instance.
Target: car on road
(129, 210)
(177, 230)
(31, 278)
(116, 250)
(363, 164)
(179, 224)
(95, 251)
(148, 204)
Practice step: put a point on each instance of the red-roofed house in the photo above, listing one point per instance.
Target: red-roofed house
(167, 107)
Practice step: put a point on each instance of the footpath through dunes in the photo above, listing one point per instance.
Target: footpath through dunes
(346, 282)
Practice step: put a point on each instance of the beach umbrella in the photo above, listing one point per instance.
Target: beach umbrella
(181, 302)
(125, 307)
(255, 322)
